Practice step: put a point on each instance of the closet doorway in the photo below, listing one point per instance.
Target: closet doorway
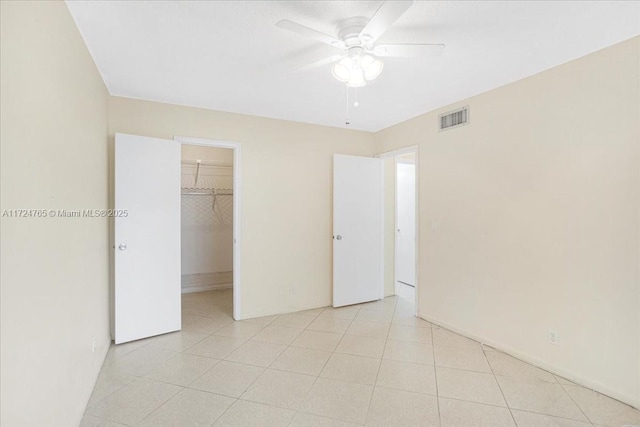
(209, 202)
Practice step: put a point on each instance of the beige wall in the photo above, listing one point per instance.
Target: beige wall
(286, 173)
(529, 218)
(54, 270)
(407, 158)
(217, 156)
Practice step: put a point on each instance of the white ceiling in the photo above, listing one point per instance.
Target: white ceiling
(229, 56)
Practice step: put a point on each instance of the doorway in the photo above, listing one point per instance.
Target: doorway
(206, 225)
(401, 225)
(210, 212)
(406, 220)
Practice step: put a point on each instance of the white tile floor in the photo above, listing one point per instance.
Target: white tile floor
(373, 364)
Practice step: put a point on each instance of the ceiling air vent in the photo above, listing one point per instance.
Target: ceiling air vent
(454, 119)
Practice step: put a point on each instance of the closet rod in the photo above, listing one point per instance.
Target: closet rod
(194, 193)
(204, 164)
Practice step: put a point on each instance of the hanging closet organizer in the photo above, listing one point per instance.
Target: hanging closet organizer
(212, 185)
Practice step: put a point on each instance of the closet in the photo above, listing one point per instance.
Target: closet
(206, 218)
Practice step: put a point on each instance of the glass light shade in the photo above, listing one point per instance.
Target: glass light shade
(357, 78)
(356, 70)
(342, 69)
(372, 67)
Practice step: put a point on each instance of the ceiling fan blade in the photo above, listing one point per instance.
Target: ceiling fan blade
(320, 63)
(386, 15)
(409, 50)
(311, 33)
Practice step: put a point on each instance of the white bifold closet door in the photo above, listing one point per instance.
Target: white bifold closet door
(357, 230)
(147, 240)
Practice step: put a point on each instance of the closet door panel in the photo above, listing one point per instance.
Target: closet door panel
(358, 228)
(147, 294)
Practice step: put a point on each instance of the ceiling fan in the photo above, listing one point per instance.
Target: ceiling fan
(359, 61)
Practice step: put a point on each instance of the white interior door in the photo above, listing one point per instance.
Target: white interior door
(147, 241)
(357, 230)
(406, 219)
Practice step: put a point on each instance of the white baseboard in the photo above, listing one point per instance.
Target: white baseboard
(204, 288)
(565, 373)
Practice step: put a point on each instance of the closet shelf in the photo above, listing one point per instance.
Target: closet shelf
(204, 192)
(207, 178)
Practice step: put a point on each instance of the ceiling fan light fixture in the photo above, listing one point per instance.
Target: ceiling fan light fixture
(356, 70)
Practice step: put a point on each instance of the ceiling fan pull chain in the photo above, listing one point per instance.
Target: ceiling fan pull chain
(355, 103)
(347, 122)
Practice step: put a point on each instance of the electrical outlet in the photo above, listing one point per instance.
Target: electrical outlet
(553, 337)
(93, 344)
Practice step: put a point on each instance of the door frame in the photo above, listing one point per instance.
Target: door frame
(395, 154)
(237, 210)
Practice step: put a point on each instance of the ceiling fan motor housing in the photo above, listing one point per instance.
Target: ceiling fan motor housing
(349, 31)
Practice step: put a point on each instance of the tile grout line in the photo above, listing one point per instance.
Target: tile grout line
(493, 405)
(258, 366)
(324, 365)
(161, 405)
(109, 394)
(499, 386)
(203, 374)
(225, 411)
(484, 372)
(555, 378)
(547, 415)
(274, 361)
(573, 400)
(375, 382)
(435, 374)
(143, 378)
(219, 360)
(332, 353)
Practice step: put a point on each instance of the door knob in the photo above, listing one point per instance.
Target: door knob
(122, 247)
(338, 237)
